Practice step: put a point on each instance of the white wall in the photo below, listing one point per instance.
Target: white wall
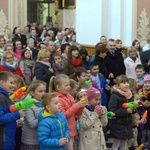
(113, 18)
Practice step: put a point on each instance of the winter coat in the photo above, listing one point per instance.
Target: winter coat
(121, 127)
(70, 110)
(102, 66)
(7, 122)
(42, 73)
(29, 130)
(51, 129)
(130, 67)
(91, 135)
(28, 71)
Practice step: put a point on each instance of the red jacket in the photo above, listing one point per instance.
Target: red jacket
(17, 71)
(70, 110)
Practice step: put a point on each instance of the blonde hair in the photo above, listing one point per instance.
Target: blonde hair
(7, 53)
(46, 98)
(121, 79)
(54, 81)
(34, 85)
(43, 53)
(133, 85)
(8, 45)
(19, 80)
(132, 49)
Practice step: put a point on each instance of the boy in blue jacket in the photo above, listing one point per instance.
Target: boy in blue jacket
(7, 118)
(53, 132)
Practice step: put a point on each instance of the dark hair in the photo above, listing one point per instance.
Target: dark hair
(92, 64)
(63, 47)
(5, 75)
(139, 66)
(133, 44)
(79, 71)
(22, 55)
(14, 43)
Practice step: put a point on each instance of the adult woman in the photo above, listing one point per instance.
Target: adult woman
(100, 52)
(136, 44)
(131, 62)
(10, 65)
(43, 70)
(2, 44)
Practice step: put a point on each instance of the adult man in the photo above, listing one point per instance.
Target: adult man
(114, 61)
(147, 46)
(103, 39)
(51, 48)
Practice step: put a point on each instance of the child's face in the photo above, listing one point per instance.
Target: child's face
(27, 54)
(57, 59)
(147, 85)
(82, 95)
(88, 74)
(136, 120)
(83, 77)
(54, 106)
(64, 87)
(39, 92)
(94, 101)
(73, 91)
(95, 70)
(8, 85)
(124, 86)
(139, 73)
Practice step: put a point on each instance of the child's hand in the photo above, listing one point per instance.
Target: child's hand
(22, 113)
(51, 70)
(129, 110)
(63, 141)
(81, 104)
(19, 123)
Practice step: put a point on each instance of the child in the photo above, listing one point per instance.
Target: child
(132, 143)
(29, 136)
(60, 65)
(121, 127)
(27, 66)
(53, 132)
(74, 86)
(100, 80)
(68, 106)
(140, 73)
(7, 118)
(92, 123)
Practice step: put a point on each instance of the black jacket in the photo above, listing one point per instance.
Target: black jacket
(121, 127)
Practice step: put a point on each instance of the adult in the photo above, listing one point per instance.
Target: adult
(103, 39)
(147, 46)
(131, 62)
(10, 65)
(114, 61)
(51, 48)
(101, 52)
(136, 44)
(43, 69)
(20, 36)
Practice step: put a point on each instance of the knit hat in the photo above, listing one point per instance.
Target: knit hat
(93, 93)
(147, 78)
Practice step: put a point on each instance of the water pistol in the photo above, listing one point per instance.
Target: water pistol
(138, 85)
(24, 104)
(99, 108)
(83, 100)
(140, 147)
(111, 115)
(18, 93)
(133, 105)
(144, 117)
(87, 82)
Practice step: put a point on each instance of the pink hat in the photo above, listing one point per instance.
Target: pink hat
(93, 93)
(147, 78)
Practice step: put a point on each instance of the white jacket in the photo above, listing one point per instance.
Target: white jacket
(130, 67)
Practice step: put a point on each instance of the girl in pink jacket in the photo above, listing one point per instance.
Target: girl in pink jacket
(69, 108)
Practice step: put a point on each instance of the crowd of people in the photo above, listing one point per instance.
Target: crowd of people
(73, 92)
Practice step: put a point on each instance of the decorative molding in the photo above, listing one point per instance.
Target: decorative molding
(3, 22)
(143, 29)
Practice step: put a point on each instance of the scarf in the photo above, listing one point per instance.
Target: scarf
(46, 63)
(76, 62)
(29, 63)
(10, 67)
(126, 94)
(90, 108)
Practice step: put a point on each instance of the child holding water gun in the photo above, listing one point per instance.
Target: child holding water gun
(7, 119)
(69, 108)
(29, 131)
(92, 120)
(121, 127)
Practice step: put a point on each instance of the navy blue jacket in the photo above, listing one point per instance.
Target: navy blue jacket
(7, 122)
